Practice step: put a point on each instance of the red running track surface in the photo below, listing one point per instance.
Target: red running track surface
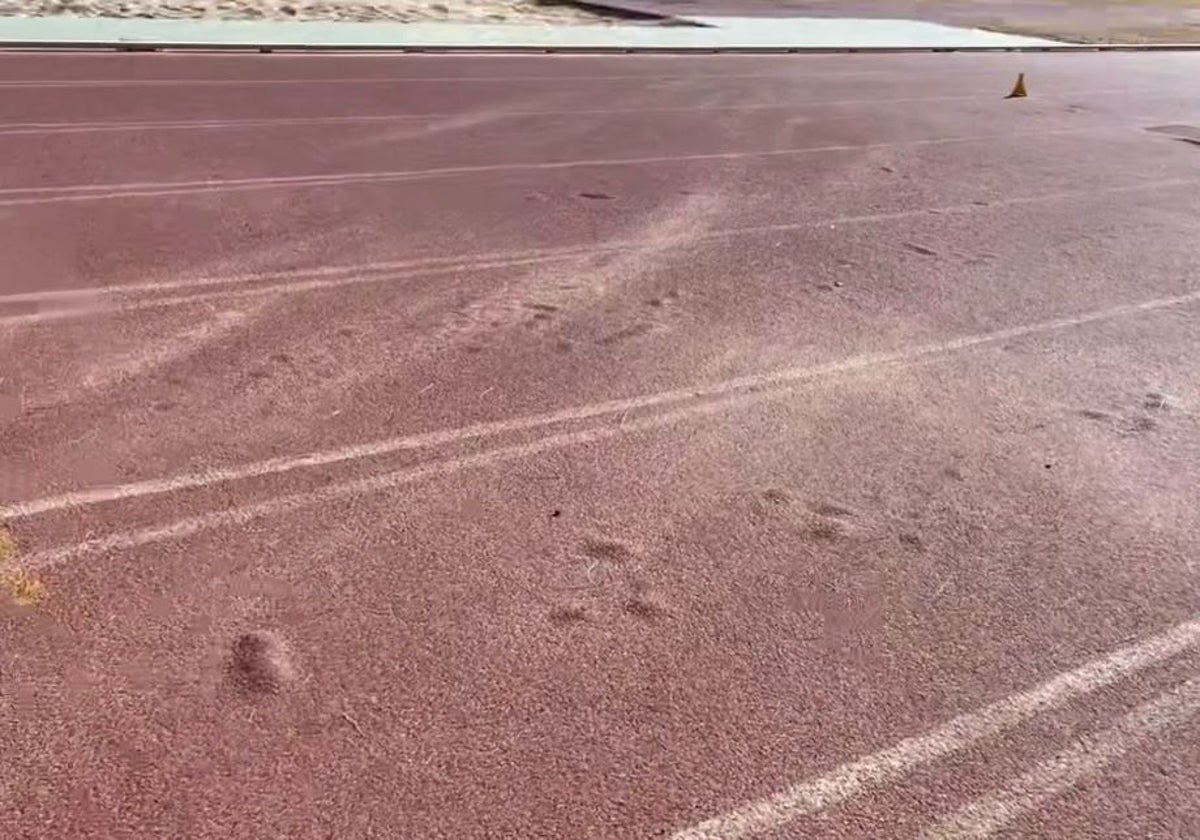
(599, 447)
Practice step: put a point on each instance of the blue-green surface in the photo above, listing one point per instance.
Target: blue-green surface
(720, 32)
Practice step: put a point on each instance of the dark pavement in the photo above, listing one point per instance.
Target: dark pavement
(616, 446)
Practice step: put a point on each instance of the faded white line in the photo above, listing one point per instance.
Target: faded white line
(272, 122)
(167, 125)
(372, 484)
(438, 265)
(696, 396)
(96, 307)
(401, 80)
(39, 84)
(19, 196)
(993, 812)
(163, 350)
(419, 265)
(894, 763)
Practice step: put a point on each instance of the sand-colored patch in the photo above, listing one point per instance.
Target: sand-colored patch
(24, 587)
(395, 11)
(8, 546)
(21, 585)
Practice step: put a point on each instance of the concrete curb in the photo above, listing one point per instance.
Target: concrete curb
(709, 35)
(620, 10)
(772, 36)
(220, 46)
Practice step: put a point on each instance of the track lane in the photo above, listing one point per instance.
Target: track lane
(725, 603)
(300, 359)
(59, 247)
(482, 139)
(778, 625)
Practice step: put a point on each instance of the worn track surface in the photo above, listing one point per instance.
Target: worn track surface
(598, 447)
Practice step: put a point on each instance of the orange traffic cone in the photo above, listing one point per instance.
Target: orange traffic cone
(1018, 90)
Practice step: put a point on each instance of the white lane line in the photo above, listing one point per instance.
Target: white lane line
(243, 514)
(272, 122)
(38, 84)
(380, 272)
(894, 763)
(993, 812)
(418, 265)
(18, 196)
(90, 308)
(695, 400)
(404, 80)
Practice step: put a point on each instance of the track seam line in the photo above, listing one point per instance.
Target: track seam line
(894, 763)
(696, 401)
(21, 196)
